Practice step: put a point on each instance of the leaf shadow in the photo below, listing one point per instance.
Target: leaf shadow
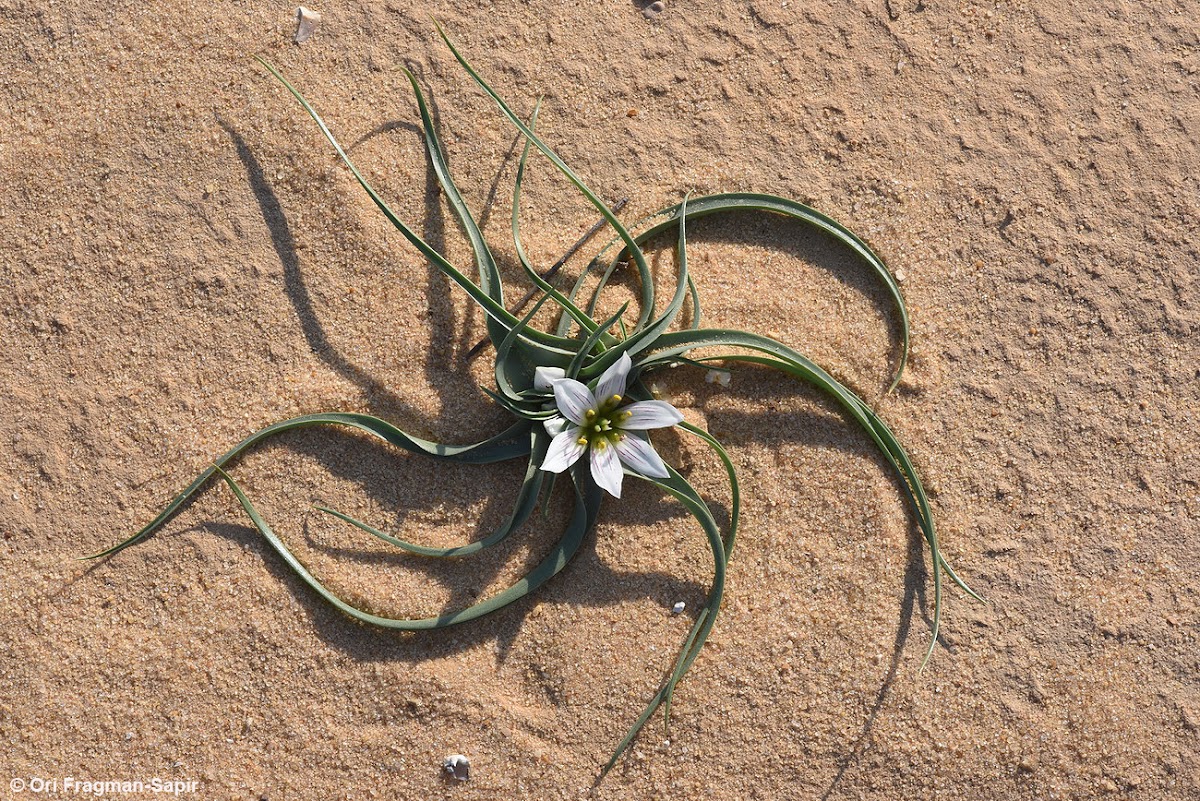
(284, 244)
(915, 579)
(362, 462)
(800, 243)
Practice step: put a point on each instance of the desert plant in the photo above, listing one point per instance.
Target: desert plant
(569, 391)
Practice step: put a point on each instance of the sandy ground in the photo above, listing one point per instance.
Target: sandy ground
(183, 261)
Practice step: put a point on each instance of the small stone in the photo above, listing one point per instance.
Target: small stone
(306, 23)
(900, 276)
(678, 608)
(457, 767)
(654, 9)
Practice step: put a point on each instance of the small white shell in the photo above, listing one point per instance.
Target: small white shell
(306, 23)
(721, 377)
(678, 608)
(457, 767)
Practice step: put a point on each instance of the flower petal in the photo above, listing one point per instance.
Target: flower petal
(573, 399)
(640, 456)
(650, 414)
(606, 469)
(555, 426)
(544, 377)
(612, 381)
(563, 452)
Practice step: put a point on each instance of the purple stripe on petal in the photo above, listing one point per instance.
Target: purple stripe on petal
(640, 456)
(573, 399)
(650, 414)
(612, 381)
(563, 452)
(606, 470)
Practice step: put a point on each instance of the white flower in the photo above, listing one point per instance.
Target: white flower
(593, 422)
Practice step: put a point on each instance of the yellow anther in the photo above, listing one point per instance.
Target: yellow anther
(581, 441)
(600, 444)
(589, 414)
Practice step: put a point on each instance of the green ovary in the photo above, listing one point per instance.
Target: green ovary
(600, 425)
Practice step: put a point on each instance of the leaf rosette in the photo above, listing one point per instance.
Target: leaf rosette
(579, 393)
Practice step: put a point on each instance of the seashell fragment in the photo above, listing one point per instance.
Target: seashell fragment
(721, 377)
(457, 767)
(306, 23)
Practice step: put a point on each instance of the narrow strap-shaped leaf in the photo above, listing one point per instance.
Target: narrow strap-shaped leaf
(494, 308)
(679, 488)
(791, 362)
(574, 312)
(508, 444)
(735, 503)
(643, 339)
(527, 500)
(745, 201)
(510, 363)
(639, 258)
(550, 566)
(489, 276)
(592, 340)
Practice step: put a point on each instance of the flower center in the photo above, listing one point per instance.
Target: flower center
(601, 426)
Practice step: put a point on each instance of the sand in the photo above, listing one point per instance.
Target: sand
(184, 261)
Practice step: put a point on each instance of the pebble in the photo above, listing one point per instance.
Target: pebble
(306, 23)
(457, 767)
(653, 10)
(678, 608)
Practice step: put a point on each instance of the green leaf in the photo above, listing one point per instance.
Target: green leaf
(581, 519)
(679, 488)
(508, 444)
(638, 257)
(527, 500)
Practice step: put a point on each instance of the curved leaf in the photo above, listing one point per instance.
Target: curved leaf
(508, 444)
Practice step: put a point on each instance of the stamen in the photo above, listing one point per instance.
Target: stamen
(600, 444)
(581, 441)
(589, 414)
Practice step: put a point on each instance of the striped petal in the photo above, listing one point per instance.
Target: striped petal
(650, 414)
(640, 456)
(606, 469)
(613, 380)
(573, 399)
(563, 452)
